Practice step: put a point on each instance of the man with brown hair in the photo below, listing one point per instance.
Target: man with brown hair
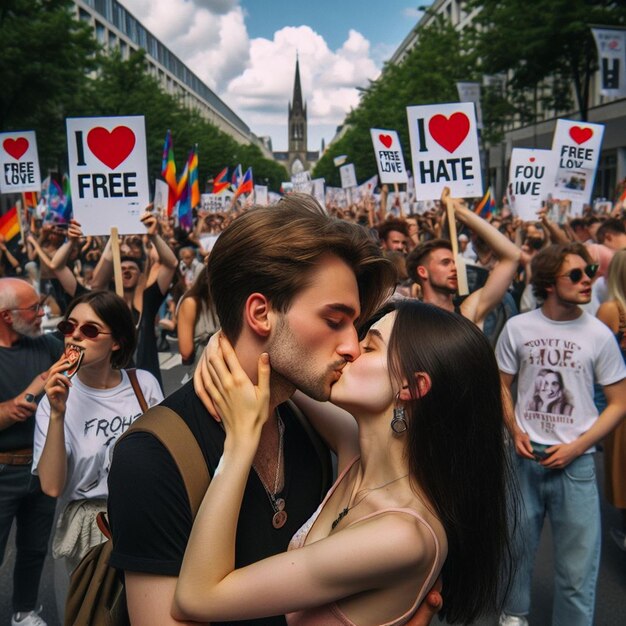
(555, 438)
(292, 282)
(431, 264)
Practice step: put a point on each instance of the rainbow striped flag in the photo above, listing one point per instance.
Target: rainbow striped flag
(185, 216)
(194, 185)
(10, 224)
(487, 206)
(168, 171)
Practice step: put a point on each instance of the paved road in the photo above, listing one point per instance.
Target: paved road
(611, 597)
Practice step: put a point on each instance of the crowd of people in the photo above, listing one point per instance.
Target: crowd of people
(452, 424)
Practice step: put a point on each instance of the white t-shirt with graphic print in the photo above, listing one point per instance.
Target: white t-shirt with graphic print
(94, 419)
(557, 364)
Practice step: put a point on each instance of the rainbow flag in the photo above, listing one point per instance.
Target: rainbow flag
(221, 181)
(10, 224)
(193, 177)
(30, 200)
(487, 206)
(246, 185)
(168, 171)
(185, 217)
(59, 202)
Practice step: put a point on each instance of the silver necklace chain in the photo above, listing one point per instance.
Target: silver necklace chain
(346, 509)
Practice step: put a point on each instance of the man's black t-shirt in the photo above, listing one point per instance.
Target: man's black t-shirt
(149, 511)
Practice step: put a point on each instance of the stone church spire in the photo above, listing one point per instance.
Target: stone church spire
(297, 159)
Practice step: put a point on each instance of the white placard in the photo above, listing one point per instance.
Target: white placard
(161, 196)
(470, 92)
(216, 202)
(444, 149)
(348, 176)
(108, 173)
(389, 158)
(319, 191)
(576, 146)
(260, 194)
(531, 177)
(19, 161)
(302, 182)
(611, 44)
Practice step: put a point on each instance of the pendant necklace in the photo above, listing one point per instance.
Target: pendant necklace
(278, 504)
(346, 509)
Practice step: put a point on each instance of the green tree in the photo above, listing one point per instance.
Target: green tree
(427, 75)
(549, 41)
(44, 59)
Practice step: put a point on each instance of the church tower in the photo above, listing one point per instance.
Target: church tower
(297, 160)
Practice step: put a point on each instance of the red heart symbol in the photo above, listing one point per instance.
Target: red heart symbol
(532, 159)
(16, 147)
(449, 133)
(112, 148)
(580, 135)
(386, 140)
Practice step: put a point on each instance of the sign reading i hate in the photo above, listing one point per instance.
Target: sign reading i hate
(19, 162)
(108, 173)
(444, 149)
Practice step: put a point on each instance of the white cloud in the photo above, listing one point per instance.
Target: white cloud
(255, 77)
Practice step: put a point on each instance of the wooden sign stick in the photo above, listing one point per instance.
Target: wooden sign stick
(461, 272)
(117, 262)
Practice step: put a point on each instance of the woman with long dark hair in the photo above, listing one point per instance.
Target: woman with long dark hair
(421, 487)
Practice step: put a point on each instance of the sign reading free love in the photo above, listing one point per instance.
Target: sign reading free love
(108, 173)
(389, 158)
(19, 162)
(444, 149)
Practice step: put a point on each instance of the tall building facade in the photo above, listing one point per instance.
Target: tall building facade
(116, 28)
(297, 158)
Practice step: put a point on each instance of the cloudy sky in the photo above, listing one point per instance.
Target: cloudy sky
(245, 50)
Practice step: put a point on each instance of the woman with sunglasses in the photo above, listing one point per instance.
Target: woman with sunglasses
(82, 415)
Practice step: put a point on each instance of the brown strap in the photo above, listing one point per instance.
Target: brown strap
(622, 318)
(132, 376)
(172, 431)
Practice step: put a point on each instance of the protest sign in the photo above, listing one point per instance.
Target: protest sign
(108, 173)
(444, 149)
(260, 194)
(19, 162)
(216, 202)
(302, 182)
(348, 176)
(531, 176)
(576, 147)
(340, 160)
(470, 92)
(161, 195)
(611, 44)
(318, 191)
(389, 158)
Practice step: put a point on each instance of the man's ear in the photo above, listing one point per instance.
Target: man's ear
(6, 317)
(256, 314)
(422, 272)
(423, 387)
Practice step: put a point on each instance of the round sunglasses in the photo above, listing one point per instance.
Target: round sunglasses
(576, 275)
(89, 330)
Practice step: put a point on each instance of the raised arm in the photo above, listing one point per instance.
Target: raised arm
(167, 258)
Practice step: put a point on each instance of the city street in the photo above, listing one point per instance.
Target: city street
(610, 606)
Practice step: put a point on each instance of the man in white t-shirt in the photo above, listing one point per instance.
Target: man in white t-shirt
(557, 352)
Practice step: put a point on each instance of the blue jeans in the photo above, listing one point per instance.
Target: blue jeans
(570, 499)
(21, 498)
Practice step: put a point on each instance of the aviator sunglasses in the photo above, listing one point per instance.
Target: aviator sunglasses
(576, 275)
(89, 330)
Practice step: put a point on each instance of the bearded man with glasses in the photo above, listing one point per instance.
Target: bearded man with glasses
(555, 441)
(25, 357)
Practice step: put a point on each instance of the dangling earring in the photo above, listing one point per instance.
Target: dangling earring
(398, 421)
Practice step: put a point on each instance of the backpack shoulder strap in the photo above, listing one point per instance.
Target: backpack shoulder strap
(132, 376)
(172, 431)
(320, 447)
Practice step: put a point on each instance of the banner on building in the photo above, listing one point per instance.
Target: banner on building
(19, 162)
(611, 44)
(531, 179)
(108, 173)
(576, 150)
(444, 149)
(389, 157)
(470, 92)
